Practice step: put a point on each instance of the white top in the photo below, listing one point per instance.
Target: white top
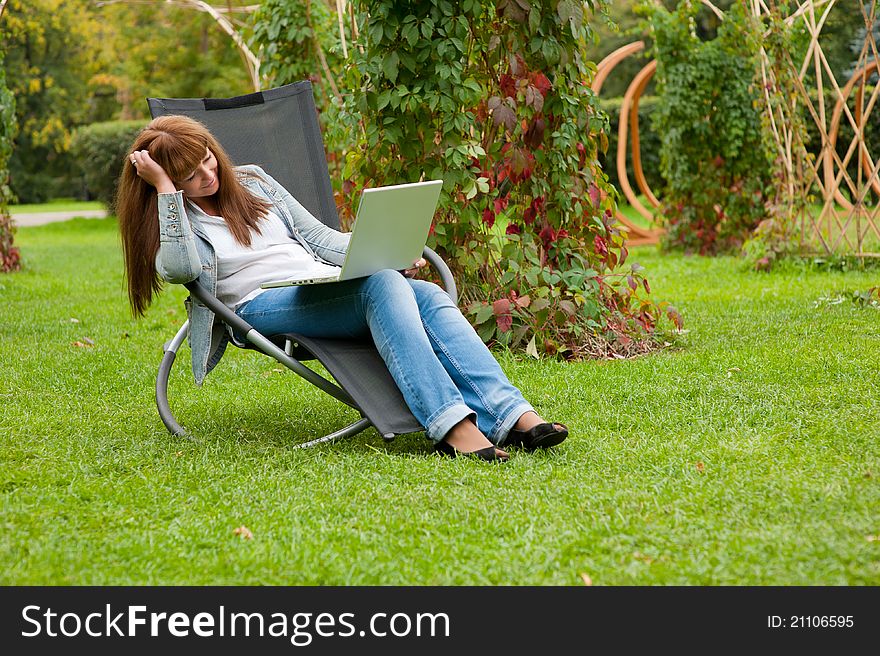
(273, 254)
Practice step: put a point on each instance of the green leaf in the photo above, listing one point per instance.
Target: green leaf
(483, 313)
(487, 331)
(411, 34)
(470, 189)
(534, 18)
(572, 12)
(376, 32)
(390, 66)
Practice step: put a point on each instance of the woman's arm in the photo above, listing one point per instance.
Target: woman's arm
(328, 243)
(177, 260)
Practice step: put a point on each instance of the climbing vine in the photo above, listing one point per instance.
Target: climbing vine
(494, 99)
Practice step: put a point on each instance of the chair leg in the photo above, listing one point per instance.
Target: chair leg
(348, 431)
(176, 429)
(162, 383)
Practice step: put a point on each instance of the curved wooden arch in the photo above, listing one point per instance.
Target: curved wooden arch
(834, 129)
(630, 109)
(629, 116)
(867, 161)
(604, 67)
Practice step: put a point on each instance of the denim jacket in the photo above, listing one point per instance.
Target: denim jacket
(186, 254)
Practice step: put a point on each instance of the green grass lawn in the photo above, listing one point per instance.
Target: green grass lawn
(747, 454)
(57, 205)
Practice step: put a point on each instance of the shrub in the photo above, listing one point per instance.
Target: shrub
(494, 98)
(10, 258)
(100, 149)
(715, 157)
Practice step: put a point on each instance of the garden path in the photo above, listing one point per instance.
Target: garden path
(41, 218)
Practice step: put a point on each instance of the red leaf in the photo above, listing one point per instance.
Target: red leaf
(547, 235)
(488, 217)
(541, 82)
(505, 321)
(647, 286)
(501, 306)
(534, 135)
(508, 85)
(504, 115)
(518, 160)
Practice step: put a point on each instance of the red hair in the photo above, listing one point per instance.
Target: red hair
(177, 144)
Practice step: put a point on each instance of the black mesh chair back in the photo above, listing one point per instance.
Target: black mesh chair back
(256, 129)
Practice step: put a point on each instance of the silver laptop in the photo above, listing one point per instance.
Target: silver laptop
(390, 231)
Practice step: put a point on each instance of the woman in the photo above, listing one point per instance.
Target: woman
(186, 213)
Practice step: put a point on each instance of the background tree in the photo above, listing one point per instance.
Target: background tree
(49, 58)
(71, 63)
(167, 50)
(299, 41)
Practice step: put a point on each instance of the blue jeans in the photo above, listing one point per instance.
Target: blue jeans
(443, 369)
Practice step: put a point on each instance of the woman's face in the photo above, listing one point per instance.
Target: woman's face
(203, 181)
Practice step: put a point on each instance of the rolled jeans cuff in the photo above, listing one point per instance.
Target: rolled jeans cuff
(499, 435)
(441, 423)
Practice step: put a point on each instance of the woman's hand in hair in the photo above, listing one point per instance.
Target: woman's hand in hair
(150, 172)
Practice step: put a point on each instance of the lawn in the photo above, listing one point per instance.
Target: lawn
(747, 453)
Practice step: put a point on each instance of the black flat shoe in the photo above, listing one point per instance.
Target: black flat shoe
(489, 454)
(541, 436)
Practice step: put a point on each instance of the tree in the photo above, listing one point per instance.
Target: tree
(169, 50)
(48, 61)
(75, 62)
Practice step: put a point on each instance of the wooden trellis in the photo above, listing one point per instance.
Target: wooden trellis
(837, 211)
